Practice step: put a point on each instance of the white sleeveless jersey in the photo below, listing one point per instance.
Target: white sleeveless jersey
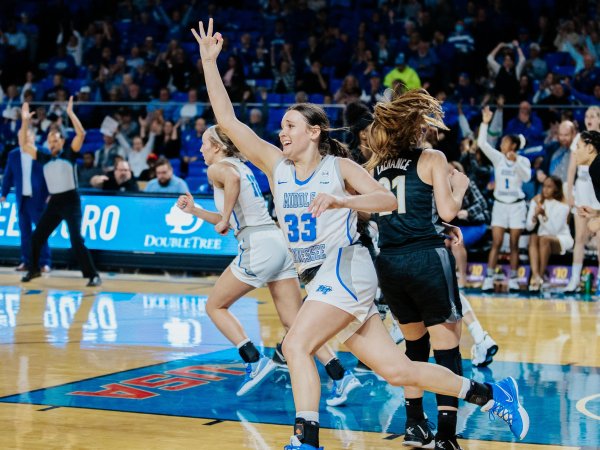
(508, 185)
(250, 209)
(311, 239)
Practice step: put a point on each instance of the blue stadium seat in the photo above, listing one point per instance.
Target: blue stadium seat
(563, 71)
(197, 169)
(179, 96)
(194, 183)
(265, 83)
(558, 59)
(288, 98)
(93, 135)
(176, 164)
(275, 116)
(316, 98)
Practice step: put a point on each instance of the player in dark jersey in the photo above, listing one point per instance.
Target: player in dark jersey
(416, 272)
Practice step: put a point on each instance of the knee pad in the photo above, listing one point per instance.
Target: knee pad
(418, 350)
(451, 360)
(466, 305)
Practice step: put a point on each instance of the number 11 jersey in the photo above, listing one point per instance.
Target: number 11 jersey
(311, 239)
(411, 226)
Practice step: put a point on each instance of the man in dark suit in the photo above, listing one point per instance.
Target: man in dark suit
(27, 177)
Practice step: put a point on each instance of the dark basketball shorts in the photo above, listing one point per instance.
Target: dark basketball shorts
(420, 286)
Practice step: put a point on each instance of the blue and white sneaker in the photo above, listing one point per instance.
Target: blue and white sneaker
(342, 388)
(256, 373)
(506, 405)
(295, 444)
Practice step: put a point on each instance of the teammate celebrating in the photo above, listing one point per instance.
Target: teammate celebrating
(311, 184)
(510, 210)
(263, 258)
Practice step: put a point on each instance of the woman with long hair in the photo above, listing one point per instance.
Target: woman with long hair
(547, 219)
(263, 258)
(311, 180)
(580, 193)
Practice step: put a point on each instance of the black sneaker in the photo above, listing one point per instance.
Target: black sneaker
(278, 357)
(447, 444)
(418, 434)
(94, 281)
(30, 276)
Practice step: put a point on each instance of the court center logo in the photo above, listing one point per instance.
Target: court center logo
(182, 222)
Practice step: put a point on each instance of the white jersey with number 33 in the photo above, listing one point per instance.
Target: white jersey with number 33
(312, 239)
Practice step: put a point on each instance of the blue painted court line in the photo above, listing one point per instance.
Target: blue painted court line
(563, 401)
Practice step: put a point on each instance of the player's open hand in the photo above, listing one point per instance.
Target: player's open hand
(25, 113)
(210, 44)
(323, 202)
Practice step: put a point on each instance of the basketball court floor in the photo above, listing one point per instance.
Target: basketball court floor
(137, 364)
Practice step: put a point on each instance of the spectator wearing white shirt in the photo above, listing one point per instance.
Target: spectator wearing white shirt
(137, 153)
(547, 219)
(510, 210)
(74, 44)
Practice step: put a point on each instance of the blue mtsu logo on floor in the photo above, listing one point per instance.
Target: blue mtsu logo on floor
(562, 408)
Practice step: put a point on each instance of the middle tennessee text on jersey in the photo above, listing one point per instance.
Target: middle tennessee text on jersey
(298, 199)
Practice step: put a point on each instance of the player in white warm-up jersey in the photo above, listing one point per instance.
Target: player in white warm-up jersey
(342, 276)
(580, 193)
(263, 258)
(510, 210)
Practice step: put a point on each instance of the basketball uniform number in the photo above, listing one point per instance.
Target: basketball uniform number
(254, 184)
(304, 229)
(506, 185)
(397, 185)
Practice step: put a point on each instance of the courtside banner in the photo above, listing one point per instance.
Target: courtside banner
(131, 224)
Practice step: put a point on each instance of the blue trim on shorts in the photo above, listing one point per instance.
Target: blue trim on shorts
(337, 273)
(348, 228)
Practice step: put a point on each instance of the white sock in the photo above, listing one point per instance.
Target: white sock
(466, 385)
(244, 342)
(490, 272)
(576, 272)
(309, 416)
(476, 331)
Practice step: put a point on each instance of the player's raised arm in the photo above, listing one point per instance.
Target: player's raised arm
(260, 152)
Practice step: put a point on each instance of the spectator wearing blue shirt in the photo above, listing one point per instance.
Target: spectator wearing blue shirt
(176, 25)
(425, 62)
(166, 182)
(191, 141)
(588, 99)
(188, 112)
(163, 103)
(528, 124)
(464, 47)
(586, 78)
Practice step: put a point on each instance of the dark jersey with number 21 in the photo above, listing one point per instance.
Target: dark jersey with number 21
(410, 227)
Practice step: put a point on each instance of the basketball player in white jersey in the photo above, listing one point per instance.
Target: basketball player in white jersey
(510, 210)
(263, 258)
(580, 192)
(311, 189)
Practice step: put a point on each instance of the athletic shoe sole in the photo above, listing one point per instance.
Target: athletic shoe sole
(522, 411)
(489, 356)
(416, 444)
(256, 381)
(337, 401)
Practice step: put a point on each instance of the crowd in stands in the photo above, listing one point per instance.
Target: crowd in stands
(535, 61)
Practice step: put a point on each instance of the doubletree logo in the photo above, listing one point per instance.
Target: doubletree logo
(181, 222)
